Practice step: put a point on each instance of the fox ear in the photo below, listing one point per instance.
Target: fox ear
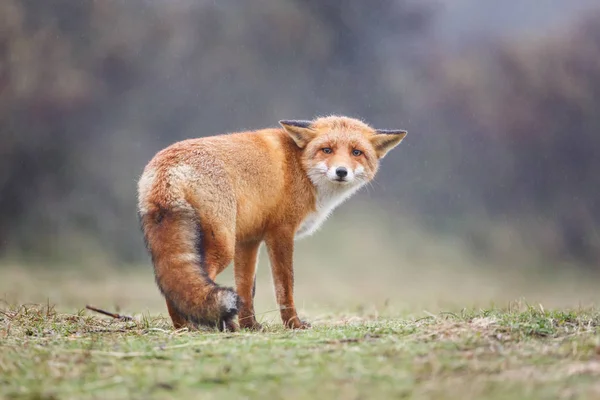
(385, 140)
(299, 131)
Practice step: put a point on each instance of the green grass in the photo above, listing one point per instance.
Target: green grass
(518, 352)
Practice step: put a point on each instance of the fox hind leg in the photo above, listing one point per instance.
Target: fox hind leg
(178, 320)
(246, 257)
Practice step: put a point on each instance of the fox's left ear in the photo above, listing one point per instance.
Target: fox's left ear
(299, 131)
(385, 140)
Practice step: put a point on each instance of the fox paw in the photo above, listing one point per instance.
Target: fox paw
(251, 325)
(297, 323)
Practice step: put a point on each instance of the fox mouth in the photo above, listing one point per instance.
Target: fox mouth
(340, 180)
(321, 175)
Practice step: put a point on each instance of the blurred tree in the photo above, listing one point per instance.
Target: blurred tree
(525, 116)
(90, 90)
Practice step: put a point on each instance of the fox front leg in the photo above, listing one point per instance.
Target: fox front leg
(280, 246)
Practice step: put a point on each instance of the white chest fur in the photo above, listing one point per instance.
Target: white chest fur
(328, 198)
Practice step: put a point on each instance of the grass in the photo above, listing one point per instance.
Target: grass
(518, 352)
(397, 328)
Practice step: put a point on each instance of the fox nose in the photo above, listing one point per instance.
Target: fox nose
(341, 172)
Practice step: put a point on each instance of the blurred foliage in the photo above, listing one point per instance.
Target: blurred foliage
(525, 122)
(501, 134)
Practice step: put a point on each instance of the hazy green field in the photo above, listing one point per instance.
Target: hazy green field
(364, 343)
(436, 325)
(518, 352)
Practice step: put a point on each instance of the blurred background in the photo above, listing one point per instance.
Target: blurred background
(493, 195)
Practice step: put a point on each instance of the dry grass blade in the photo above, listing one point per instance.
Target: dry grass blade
(113, 315)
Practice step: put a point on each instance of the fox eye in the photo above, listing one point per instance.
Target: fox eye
(356, 152)
(327, 150)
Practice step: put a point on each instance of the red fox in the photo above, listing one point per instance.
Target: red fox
(206, 202)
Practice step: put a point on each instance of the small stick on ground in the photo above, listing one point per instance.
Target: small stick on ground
(116, 316)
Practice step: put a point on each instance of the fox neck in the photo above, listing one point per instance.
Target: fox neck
(328, 196)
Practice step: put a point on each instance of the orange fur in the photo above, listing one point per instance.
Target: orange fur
(206, 202)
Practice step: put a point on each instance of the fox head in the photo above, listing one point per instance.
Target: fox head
(341, 151)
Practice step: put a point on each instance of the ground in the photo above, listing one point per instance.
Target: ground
(520, 352)
(377, 333)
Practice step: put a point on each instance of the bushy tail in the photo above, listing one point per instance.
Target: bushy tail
(174, 239)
